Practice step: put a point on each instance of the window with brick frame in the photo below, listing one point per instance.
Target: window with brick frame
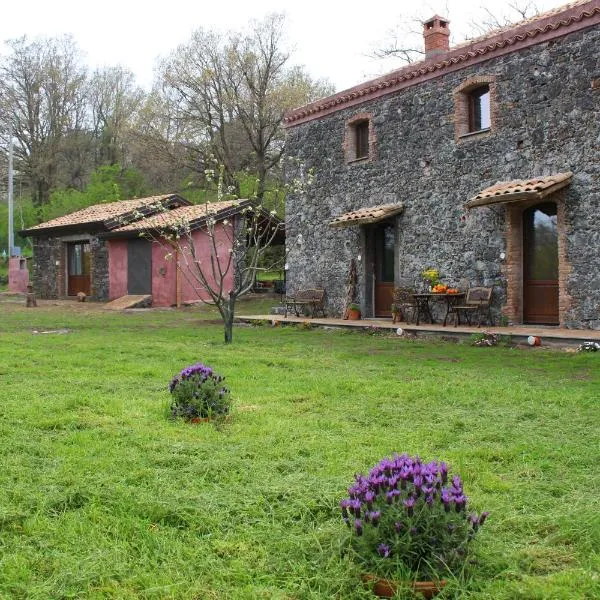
(479, 109)
(361, 131)
(474, 107)
(359, 138)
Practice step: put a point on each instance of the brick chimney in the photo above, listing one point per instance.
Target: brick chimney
(437, 36)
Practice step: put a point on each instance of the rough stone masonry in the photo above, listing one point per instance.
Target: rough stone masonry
(545, 119)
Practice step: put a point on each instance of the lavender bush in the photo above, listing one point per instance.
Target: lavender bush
(408, 515)
(198, 392)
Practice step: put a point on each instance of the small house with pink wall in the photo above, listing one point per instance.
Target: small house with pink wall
(125, 248)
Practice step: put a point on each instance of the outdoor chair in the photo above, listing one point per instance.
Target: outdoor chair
(403, 305)
(476, 305)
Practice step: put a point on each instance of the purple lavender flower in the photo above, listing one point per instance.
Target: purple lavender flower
(375, 516)
(409, 503)
(398, 527)
(354, 507)
(459, 502)
(369, 497)
(383, 550)
(483, 517)
(444, 471)
(358, 526)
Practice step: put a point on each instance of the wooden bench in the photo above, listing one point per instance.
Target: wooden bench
(312, 299)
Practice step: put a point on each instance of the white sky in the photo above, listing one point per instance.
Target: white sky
(331, 38)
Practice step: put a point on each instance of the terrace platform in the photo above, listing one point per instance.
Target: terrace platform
(555, 336)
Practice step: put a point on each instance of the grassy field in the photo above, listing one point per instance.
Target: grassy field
(101, 496)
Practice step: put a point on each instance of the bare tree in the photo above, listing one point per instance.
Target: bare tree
(115, 99)
(241, 235)
(41, 98)
(233, 90)
(405, 42)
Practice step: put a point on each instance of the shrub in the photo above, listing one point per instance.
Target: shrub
(407, 515)
(198, 392)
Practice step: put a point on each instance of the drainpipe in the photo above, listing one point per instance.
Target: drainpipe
(177, 280)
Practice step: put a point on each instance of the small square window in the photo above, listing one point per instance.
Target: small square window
(361, 133)
(479, 109)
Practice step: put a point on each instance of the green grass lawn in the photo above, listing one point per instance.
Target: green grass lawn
(101, 496)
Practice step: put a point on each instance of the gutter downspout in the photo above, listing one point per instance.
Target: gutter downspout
(177, 280)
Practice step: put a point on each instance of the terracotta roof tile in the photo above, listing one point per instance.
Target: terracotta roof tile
(542, 27)
(101, 213)
(521, 189)
(364, 216)
(179, 216)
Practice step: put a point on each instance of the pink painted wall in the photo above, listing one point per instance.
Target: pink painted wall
(191, 290)
(18, 275)
(164, 268)
(164, 275)
(117, 268)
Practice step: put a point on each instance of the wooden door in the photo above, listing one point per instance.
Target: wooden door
(78, 268)
(139, 267)
(540, 265)
(385, 249)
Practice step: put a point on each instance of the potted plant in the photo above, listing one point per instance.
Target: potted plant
(431, 277)
(353, 312)
(408, 521)
(198, 394)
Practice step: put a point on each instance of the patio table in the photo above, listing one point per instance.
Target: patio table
(423, 308)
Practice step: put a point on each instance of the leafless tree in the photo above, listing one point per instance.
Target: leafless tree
(238, 247)
(405, 42)
(115, 99)
(233, 90)
(41, 97)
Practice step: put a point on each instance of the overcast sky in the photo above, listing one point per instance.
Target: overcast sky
(332, 39)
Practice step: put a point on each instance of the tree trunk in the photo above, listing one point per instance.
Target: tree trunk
(228, 313)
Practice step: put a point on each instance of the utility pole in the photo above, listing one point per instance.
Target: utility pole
(11, 235)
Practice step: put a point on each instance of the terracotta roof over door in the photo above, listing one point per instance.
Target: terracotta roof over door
(366, 216)
(519, 190)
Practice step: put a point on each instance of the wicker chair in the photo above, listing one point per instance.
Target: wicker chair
(403, 305)
(477, 303)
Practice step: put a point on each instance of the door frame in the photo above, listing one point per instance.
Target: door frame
(512, 266)
(535, 311)
(147, 250)
(87, 288)
(373, 266)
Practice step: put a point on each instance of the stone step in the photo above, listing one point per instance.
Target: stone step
(129, 302)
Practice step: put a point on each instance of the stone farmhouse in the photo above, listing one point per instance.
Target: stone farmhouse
(118, 249)
(481, 161)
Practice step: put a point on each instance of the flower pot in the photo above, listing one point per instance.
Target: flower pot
(386, 588)
(199, 419)
(208, 419)
(353, 314)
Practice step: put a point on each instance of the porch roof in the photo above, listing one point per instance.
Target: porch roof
(518, 190)
(366, 216)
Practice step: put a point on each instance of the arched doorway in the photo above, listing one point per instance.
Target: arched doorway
(540, 264)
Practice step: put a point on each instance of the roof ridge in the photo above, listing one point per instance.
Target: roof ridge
(102, 212)
(552, 23)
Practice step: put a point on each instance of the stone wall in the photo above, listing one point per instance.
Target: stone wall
(546, 120)
(99, 269)
(49, 266)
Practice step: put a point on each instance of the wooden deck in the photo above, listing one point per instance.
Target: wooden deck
(548, 335)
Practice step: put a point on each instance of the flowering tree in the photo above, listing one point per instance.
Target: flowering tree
(220, 247)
